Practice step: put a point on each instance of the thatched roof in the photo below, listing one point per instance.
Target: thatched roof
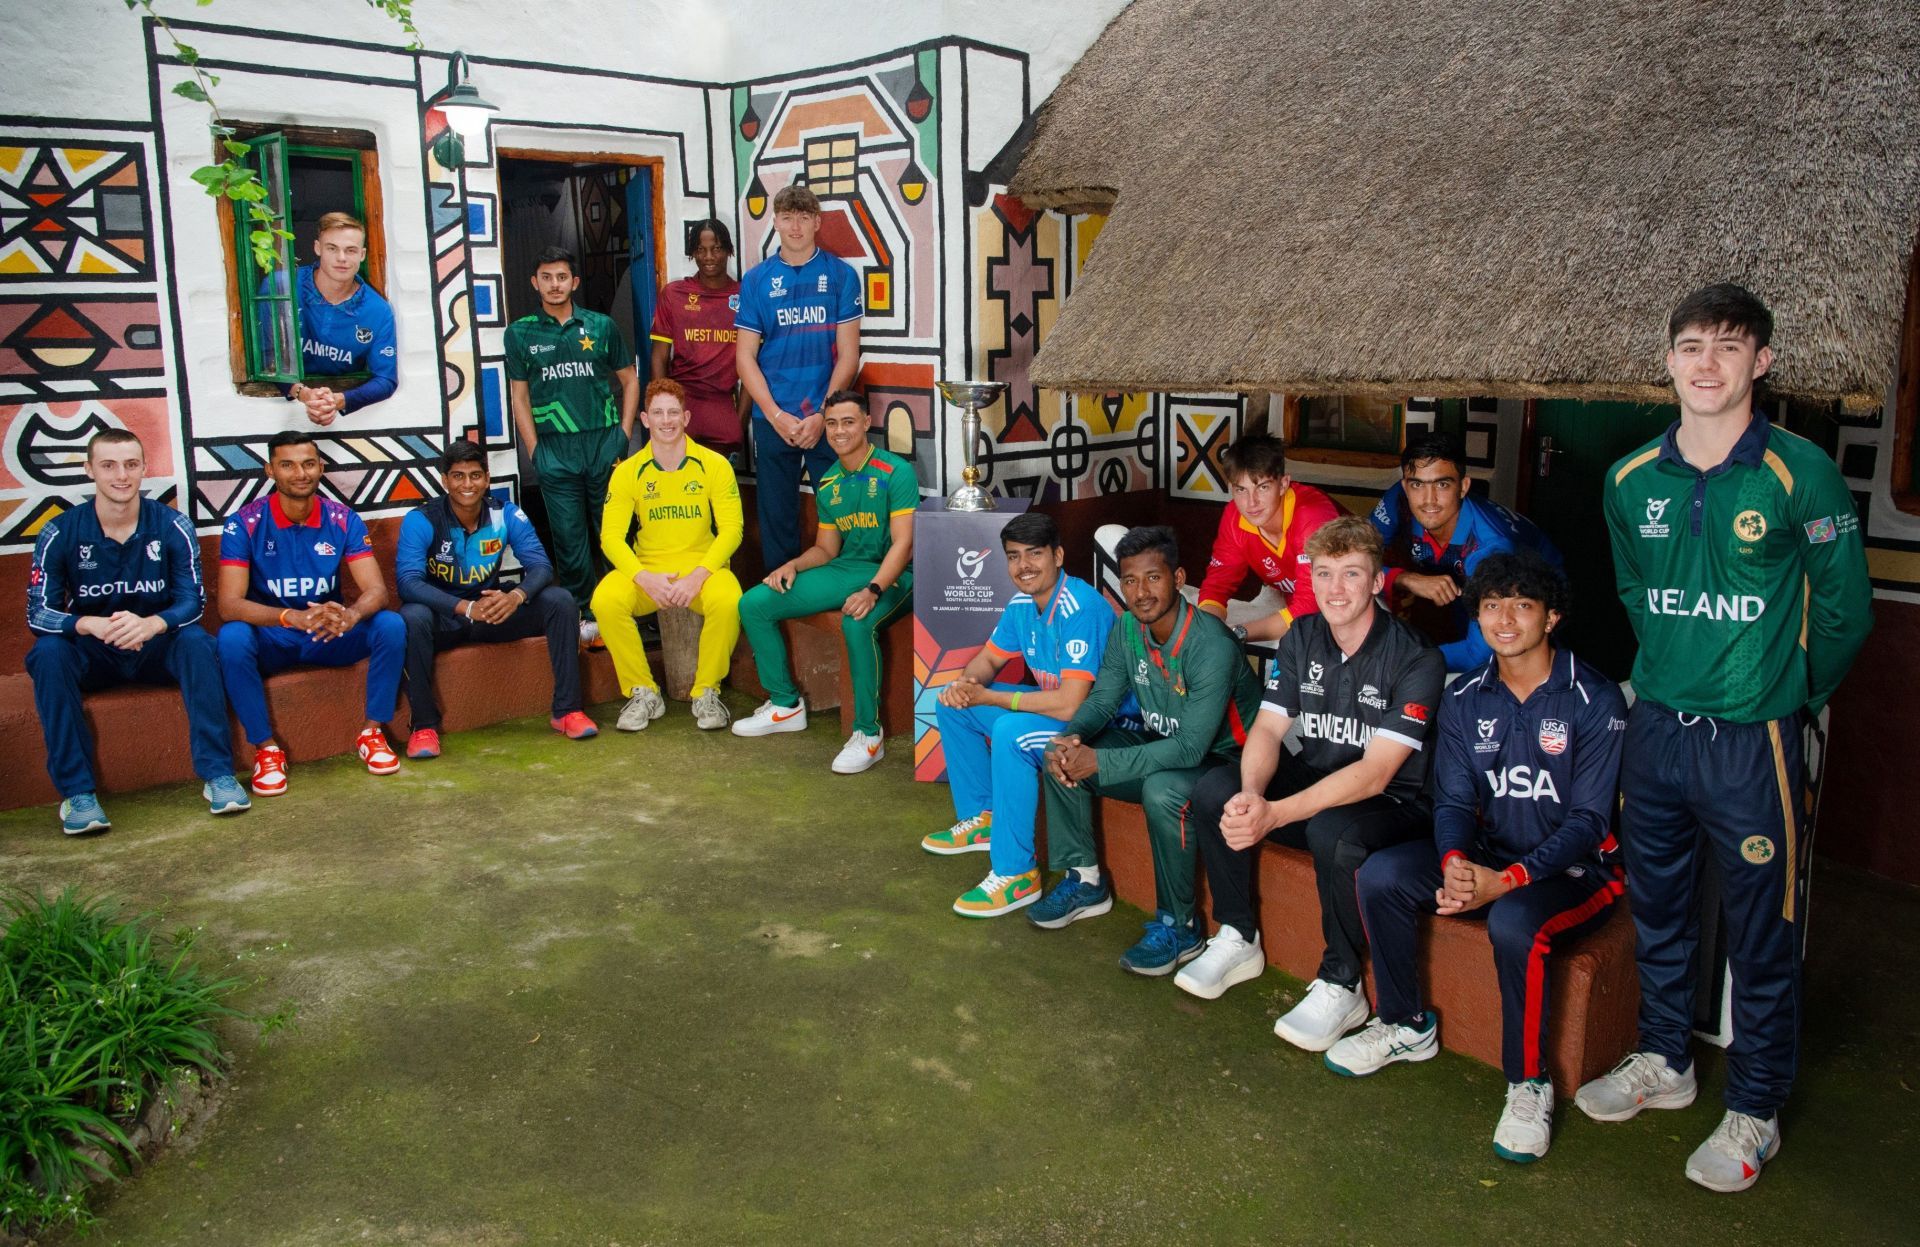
(1456, 197)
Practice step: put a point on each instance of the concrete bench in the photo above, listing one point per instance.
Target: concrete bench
(140, 732)
(1595, 986)
(819, 659)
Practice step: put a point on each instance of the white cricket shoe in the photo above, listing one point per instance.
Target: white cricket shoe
(1526, 1124)
(770, 718)
(641, 709)
(1381, 1044)
(1642, 1080)
(860, 752)
(589, 632)
(1230, 958)
(1328, 1012)
(1731, 1158)
(710, 714)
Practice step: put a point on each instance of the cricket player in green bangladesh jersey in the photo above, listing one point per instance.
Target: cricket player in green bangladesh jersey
(1178, 669)
(859, 564)
(562, 362)
(1741, 563)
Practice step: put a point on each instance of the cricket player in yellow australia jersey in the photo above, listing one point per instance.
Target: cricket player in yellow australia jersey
(860, 564)
(687, 503)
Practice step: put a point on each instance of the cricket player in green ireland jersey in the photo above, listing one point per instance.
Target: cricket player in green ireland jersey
(860, 564)
(1740, 560)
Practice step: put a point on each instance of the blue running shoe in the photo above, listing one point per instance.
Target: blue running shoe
(225, 796)
(1071, 900)
(1164, 948)
(82, 814)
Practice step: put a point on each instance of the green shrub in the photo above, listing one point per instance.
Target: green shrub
(98, 1013)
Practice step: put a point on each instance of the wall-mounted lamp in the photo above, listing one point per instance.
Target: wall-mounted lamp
(466, 112)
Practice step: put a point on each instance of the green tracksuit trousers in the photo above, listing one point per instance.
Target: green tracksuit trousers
(820, 589)
(574, 469)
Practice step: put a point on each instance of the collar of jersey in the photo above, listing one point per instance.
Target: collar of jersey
(1750, 451)
(1559, 676)
(280, 517)
(579, 317)
(800, 267)
(840, 469)
(1286, 525)
(688, 460)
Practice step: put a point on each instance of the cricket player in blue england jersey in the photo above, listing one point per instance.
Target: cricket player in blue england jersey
(995, 735)
(115, 595)
(281, 559)
(1740, 560)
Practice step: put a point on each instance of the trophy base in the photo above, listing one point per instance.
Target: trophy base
(971, 498)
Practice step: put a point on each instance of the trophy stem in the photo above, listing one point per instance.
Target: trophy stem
(970, 397)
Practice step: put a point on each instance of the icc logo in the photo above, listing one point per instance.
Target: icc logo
(1315, 671)
(1656, 507)
(971, 562)
(1486, 727)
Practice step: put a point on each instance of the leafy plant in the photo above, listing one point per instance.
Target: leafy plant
(98, 1012)
(231, 177)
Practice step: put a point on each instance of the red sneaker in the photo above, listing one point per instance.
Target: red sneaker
(575, 725)
(376, 752)
(270, 770)
(424, 743)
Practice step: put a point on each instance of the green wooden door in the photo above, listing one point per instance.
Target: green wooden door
(1585, 440)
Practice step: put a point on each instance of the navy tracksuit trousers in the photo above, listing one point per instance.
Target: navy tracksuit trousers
(551, 614)
(1397, 884)
(66, 667)
(1735, 791)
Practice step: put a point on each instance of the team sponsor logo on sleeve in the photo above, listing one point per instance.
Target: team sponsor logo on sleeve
(1820, 530)
(1656, 525)
(1616, 725)
(35, 576)
(1553, 736)
(153, 552)
(1415, 711)
(387, 351)
(1381, 513)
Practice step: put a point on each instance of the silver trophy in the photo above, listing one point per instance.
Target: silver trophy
(970, 397)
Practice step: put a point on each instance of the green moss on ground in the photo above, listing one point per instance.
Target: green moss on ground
(677, 988)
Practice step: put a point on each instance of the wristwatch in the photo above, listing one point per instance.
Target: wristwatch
(873, 587)
(1239, 633)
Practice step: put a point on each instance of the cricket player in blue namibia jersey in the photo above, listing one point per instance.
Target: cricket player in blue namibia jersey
(797, 341)
(1526, 766)
(995, 735)
(449, 566)
(346, 326)
(115, 595)
(1740, 560)
(281, 559)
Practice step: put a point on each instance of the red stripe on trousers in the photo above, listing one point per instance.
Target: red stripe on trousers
(1537, 965)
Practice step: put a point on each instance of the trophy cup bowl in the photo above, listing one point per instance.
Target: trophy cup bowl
(970, 397)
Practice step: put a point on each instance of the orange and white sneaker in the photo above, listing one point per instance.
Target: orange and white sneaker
(376, 752)
(860, 752)
(770, 718)
(269, 770)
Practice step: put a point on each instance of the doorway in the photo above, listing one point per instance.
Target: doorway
(1585, 439)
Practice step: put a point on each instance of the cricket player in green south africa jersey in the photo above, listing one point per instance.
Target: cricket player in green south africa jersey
(860, 564)
(1740, 560)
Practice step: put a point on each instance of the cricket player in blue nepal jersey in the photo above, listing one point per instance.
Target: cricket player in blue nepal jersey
(281, 559)
(346, 326)
(449, 566)
(995, 735)
(797, 341)
(1526, 766)
(115, 594)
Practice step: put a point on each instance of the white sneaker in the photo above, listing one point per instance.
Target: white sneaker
(641, 709)
(589, 632)
(770, 718)
(1381, 1044)
(1328, 1012)
(1643, 1080)
(1230, 958)
(1526, 1124)
(860, 752)
(1731, 1157)
(710, 714)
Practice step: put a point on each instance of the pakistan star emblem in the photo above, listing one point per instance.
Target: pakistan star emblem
(586, 343)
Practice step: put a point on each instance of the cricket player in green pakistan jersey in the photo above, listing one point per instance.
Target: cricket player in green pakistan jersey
(1196, 694)
(860, 564)
(561, 363)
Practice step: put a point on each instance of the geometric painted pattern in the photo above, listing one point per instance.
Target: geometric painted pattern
(55, 344)
(1202, 430)
(370, 474)
(73, 211)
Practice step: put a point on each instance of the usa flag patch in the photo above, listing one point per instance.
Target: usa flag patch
(1553, 736)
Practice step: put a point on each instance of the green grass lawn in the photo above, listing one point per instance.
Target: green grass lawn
(683, 988)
